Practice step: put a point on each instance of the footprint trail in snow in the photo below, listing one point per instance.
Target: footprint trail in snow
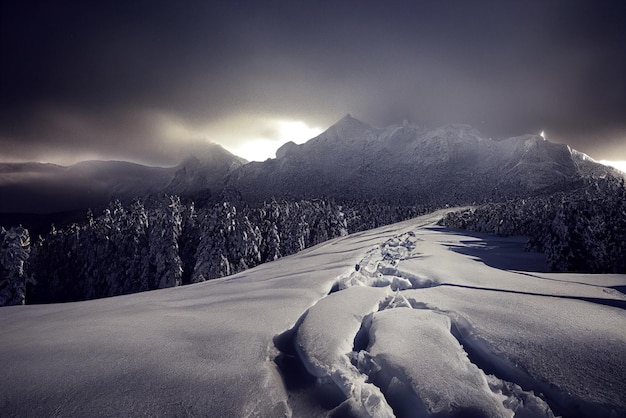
(374, 347)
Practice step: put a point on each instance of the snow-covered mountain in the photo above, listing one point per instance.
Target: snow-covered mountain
(204, 172)
(408, 320)
(406, 164)
(351, 160)
(409, 163)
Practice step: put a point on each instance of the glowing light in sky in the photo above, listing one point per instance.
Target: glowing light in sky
(620, 165)
(543, 135)
(296, 131)
(259, 149)
(263, 147)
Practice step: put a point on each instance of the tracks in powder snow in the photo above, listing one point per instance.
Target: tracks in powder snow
(339, 359)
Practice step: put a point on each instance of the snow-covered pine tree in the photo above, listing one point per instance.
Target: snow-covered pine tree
(211, 261)
(14, 252)
(165, 232)
(270, 244)
(189, 241)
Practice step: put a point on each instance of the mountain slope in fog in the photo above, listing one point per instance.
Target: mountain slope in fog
(47, 188)
(407, 162)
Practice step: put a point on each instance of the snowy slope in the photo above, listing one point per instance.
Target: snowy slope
(433, 323)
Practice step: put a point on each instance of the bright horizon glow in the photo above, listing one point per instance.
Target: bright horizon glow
(620, 165)
(262, 148)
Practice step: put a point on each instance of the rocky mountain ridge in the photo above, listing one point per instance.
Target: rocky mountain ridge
(452, 164)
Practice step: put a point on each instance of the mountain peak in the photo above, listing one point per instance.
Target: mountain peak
(211, 153)
(348, 119)
(204, 170)
(285, 149)
(347, 127)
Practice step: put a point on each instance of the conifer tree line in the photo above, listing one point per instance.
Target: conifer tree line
(582, 230)
(161, 242)
(166, 241)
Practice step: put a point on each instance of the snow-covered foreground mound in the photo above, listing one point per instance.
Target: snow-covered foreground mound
(409, 320)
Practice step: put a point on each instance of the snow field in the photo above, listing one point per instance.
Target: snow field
(404, 362)
(427, 326)
(539, 335)
(424, 368)
(574, 352)
(323, 346)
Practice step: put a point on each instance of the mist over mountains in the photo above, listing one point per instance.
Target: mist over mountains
(406, 163)
(48, 188)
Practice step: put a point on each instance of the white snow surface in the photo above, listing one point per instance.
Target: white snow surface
(408, 320)
(425, 370)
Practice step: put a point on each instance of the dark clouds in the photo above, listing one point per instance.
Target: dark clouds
(150, 80)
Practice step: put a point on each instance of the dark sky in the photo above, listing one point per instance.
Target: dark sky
(150, 81)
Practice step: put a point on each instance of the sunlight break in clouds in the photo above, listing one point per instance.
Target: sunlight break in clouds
(262, 147)
(253, 137)
(620, 165)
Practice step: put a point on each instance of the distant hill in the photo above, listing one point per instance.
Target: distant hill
(38, 188)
